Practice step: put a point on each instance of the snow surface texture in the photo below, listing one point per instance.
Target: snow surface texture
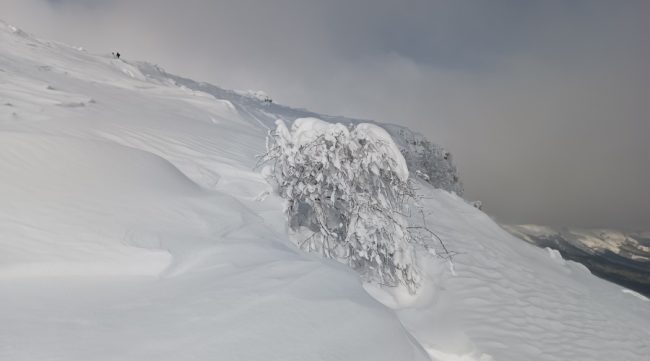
(131, 228)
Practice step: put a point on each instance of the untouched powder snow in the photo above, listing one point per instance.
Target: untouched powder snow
(132, 228)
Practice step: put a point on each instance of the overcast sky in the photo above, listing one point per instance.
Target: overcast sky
(544, 104)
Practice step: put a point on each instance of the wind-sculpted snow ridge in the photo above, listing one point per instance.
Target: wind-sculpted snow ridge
(425, 159)
(133, 226)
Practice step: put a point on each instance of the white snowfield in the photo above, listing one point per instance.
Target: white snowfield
(132, 228)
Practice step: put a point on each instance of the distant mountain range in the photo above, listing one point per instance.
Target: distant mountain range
(617, 256)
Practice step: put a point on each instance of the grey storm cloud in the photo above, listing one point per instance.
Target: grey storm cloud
(544, 104)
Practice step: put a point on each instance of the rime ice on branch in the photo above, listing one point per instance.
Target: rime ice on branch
(346, 189)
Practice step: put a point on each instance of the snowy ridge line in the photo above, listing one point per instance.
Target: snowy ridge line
(426, 159)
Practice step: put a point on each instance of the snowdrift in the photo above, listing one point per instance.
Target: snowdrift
(133, 227)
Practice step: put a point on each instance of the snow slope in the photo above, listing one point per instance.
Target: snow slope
(132, 228)
(618, 256)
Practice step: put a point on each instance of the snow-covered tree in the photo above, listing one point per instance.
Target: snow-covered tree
(347, 189)
(430, 162)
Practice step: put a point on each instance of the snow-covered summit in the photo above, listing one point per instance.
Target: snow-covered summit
(132, 228)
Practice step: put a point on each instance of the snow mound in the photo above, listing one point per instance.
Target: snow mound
(75, 167)
(64, 200)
